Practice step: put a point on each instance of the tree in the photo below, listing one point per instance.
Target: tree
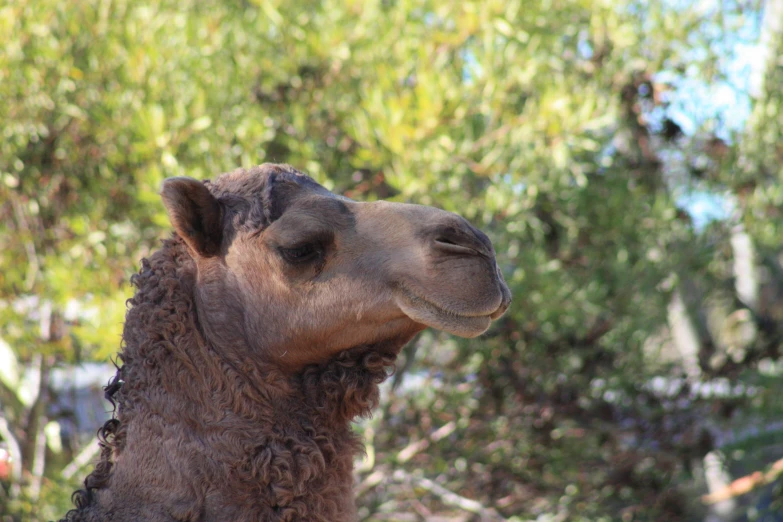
(550, 124)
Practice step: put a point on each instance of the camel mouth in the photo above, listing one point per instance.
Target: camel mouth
(424, 311)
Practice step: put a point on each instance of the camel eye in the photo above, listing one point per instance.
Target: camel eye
(301, 254)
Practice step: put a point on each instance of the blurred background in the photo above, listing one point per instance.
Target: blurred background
(624, 156)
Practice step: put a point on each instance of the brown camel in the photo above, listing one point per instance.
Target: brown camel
(259, 331)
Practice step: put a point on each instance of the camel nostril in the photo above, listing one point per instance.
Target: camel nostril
(460, 238)
(445, 241)
(450, 246)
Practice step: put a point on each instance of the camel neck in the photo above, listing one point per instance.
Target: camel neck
(220, 449)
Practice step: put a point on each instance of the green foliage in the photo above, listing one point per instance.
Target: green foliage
(529, 118)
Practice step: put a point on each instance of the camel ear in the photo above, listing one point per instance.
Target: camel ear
(195, 214)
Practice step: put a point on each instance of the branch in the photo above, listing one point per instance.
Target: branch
(33, 268)
(35, 450)
(85, 456)
(39, 462)
(449, 497)
(746, 484)
(415, 447)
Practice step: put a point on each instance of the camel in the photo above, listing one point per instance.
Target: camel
(259, 331)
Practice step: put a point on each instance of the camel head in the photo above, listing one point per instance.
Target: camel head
(299, 274)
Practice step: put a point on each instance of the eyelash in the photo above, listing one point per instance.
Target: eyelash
(301, 254)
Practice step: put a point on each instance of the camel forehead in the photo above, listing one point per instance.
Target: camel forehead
(313, 210)
(255, 198)
(252, 182)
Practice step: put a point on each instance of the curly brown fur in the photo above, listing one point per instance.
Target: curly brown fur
(284, 440)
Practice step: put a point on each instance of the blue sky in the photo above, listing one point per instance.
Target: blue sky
(722, 106)
(736, 41)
